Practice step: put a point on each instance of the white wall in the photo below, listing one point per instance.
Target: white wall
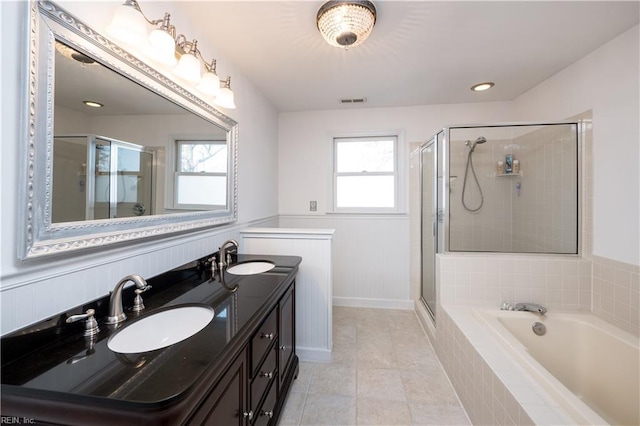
(607, 82)
(371, 253)
(36, 289)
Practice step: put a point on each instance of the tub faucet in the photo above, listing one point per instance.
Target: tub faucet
(530, 307)
(116, 313)
(223, 261)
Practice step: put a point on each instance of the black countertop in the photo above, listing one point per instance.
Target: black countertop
(52, 359)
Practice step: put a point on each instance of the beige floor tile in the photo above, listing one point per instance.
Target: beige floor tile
(334, 379)
(373, 412)
(376, 357)
(380, 383)
(305, 372)
(429, 388)
(383, 371)
(425, 414)
(293, 409)
(329, 410)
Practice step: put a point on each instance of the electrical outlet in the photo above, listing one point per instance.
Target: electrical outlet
(313, 206)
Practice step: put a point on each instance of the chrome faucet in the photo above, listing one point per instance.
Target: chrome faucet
(116, 313)
(529, 307)
(223, 261)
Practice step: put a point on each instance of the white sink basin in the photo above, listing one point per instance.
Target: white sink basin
(161, 329)
(251, 267)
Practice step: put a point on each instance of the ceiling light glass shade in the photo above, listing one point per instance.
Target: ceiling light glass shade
(188, 68)
(226, 98)
(210, 84)
(346, 23)
(128, 25)
(163, 47)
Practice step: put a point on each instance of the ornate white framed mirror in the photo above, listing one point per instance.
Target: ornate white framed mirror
(151, 159)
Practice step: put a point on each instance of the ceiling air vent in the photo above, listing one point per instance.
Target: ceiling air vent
(353, 101)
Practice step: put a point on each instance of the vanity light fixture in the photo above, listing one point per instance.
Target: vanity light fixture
(482, 86)
(226, 99)
(346, 23)
(129, 25)
(93, 104)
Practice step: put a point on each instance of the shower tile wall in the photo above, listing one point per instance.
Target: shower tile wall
(488, 280)
(544, 216)
(489, 228)
(616, 293)
(540, 217)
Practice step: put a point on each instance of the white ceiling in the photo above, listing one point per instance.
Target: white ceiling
(420, 52)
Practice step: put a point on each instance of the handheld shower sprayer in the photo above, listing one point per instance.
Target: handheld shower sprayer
(472, 147)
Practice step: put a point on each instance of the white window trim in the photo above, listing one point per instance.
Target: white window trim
(400, 174)
(171, 178)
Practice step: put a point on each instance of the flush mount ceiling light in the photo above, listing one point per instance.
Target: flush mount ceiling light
(129, 25)
(346, 23)
(482, 86)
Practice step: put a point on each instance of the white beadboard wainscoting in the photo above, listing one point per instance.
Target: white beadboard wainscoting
(52, 286)
(371, 262)
(313, 282)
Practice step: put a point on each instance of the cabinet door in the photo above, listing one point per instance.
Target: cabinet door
(287, 332)
(227, 403)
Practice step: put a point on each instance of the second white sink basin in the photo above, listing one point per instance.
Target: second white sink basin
(251, 267)
(161, 329)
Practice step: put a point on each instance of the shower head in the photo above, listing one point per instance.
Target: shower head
(472, 145)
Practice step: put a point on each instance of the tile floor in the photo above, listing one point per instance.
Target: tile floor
(384, 371)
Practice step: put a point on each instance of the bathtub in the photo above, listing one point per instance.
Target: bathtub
(588, 367)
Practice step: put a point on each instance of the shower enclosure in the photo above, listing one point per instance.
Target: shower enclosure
(506, 188)
(96, 177)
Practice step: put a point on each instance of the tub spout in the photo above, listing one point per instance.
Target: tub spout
(531, 307)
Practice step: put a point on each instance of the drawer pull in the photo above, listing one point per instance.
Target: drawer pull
(268, 375)
(248, 415)
(269, 336)
(267, 413)
(283, 348)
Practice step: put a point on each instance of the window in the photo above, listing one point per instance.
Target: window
(366, 174)
(200, 178)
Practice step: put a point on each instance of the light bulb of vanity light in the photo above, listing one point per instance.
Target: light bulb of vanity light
(128, 24)
(188, 68)
(226, 98)
(210, 84)
(163, 47)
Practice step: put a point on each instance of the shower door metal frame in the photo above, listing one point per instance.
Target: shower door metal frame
(445, 184)
(433, 142)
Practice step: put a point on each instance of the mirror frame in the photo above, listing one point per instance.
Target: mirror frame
(48, 22)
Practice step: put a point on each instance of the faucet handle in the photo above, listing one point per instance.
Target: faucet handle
(138, 304)
(91, 325)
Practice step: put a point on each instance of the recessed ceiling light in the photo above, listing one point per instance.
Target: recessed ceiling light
(482, 86)
(93, 104)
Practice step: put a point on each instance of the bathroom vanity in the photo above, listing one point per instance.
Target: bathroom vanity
(236, 370)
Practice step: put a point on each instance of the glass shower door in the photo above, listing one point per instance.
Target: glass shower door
(429, 224)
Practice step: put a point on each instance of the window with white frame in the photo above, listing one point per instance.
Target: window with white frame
(365, 174)
(200, 176)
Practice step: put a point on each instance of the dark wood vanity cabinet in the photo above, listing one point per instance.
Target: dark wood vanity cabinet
(227, 403)
(253, 390)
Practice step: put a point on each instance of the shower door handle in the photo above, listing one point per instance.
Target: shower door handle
(433, 229)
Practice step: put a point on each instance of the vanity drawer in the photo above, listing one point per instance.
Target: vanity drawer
(265, 415)
(263, 339)
(267, 373)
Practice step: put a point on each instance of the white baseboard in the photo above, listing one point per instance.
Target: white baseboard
(313, 354)
(361, 302)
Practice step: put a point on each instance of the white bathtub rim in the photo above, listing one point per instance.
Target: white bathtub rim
(538, 392)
